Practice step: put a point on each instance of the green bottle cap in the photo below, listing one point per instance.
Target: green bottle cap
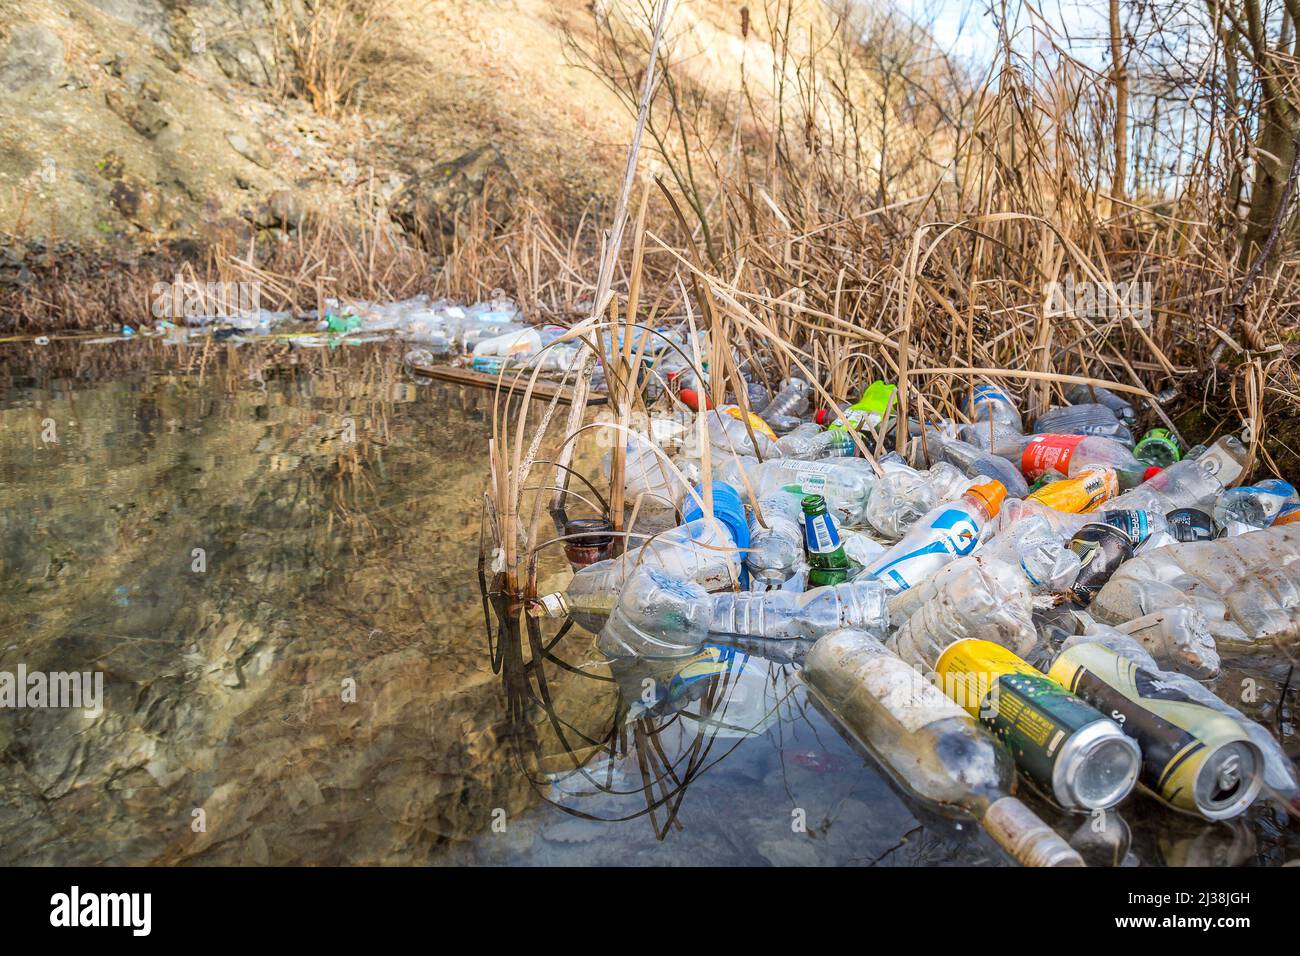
(1161, 443)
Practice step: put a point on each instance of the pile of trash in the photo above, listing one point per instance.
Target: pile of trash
(1007, 602)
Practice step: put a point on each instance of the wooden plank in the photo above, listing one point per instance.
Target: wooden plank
(542, 390)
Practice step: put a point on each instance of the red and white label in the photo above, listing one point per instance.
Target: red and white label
(1048, 453)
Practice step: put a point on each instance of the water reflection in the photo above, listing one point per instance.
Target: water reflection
(331, 678)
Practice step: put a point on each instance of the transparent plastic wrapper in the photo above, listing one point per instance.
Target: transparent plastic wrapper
(947, 532)
(1247, 587)
(931, 747)
(1250, 507)
(790, 616)
(1280, 775)
(1039, 551)
(1086, 419)
(988, 600)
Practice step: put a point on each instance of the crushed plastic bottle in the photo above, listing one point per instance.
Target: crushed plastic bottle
(657, 616)
(809, 442)
(900, 499)
(972, 597)
(1034, 546)
(1247, 587)
(1086, 419)
(790, 401)
(947, 532)
(1085, 394)
(1179, 639)
(845, 483)
(1194, 482)
(974, 461)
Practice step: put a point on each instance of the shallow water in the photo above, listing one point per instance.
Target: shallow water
(275, 568)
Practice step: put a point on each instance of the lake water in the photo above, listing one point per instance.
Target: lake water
(271, 557)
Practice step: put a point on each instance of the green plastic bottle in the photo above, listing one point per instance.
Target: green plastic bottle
(827, 562)
(1159, 448)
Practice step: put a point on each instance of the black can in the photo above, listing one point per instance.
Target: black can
(1190, 524)
(1103, 548)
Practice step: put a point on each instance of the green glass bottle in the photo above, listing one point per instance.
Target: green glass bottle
(827, 562)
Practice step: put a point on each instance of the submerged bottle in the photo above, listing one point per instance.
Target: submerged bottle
(827, 562)
(930, 746)
(947, 532)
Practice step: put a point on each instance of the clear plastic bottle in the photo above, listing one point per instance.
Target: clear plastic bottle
(1179, 639)
(1039, 551)
(1250, 507)
(930, 746)
(1190, 483)
(845, 483)
(1245, 586)
(788, 616)
(809, 442)
(730, 436)
(975, 461)
(1084, 394)
(986, 599)
(657, 616)
(1086, 419)
(775, 550)
(790, 401)
(996, 421)
(900, 498)
(949, 531)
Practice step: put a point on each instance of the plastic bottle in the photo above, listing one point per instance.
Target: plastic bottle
(1179, 639)
(774, 550)
(787, 615)
(1037, 549)
(1249, 507)
(703, 551)
(987, 599)
(1086, 419)
(1083, 394)
(996, 421)
(875, 406)
(657, 616)
(809, 442)
(518, 345)
(731, 436)
(790, 401)
(1246, 588)
(900, 498)
(1081, 494)
(947, 532)
(845, 483)
(1158, 447)
(930, 746)
(1193, 482)
(1072, 454)
(975, 461)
